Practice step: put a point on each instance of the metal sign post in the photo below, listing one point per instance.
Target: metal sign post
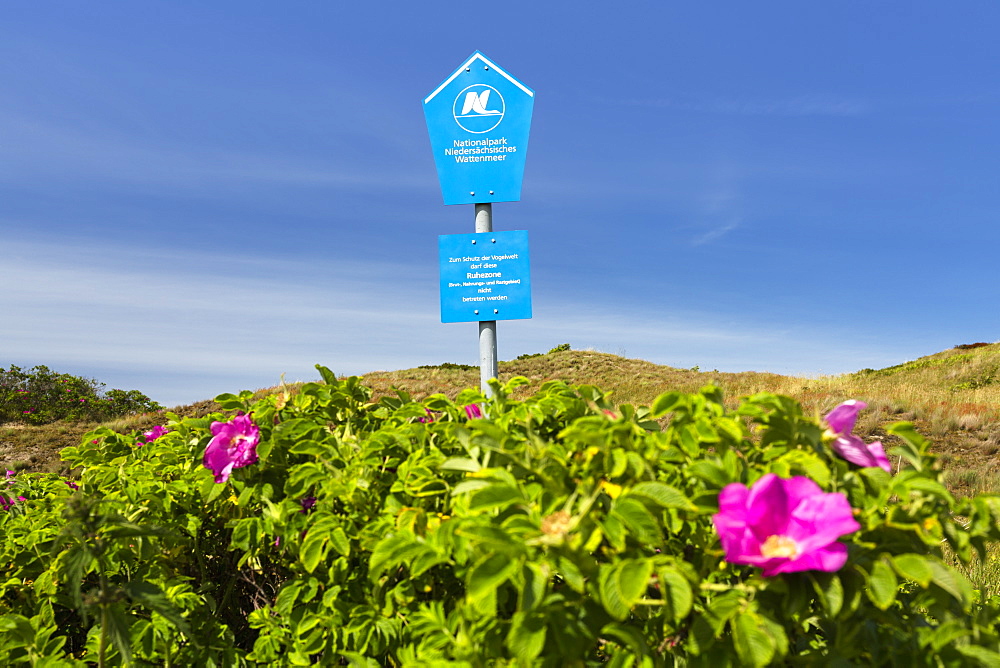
(478, 121)
(488, 367)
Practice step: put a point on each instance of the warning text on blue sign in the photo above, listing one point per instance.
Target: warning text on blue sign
(485, 276)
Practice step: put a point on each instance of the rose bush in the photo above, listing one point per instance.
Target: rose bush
(39, 396)
(323, 527)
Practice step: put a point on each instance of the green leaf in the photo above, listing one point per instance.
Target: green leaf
(611, 594)
(628, 637)
(753, 643)
(676, 591)
(329, 377)
(534, 585)
(613, 530)
(662, 494)
(877, 478)
(229, 402)
(710, 473)
(571, 574)
(913, 567)
(948, 633)
(638, 519)
(313, 550)
(387, 552)
(304, 476)
(623, 584)
(914, 445)
(721, 610)
(115, 625)
(778, 635)
(830, 590)
(340, 542)
(151, 596)
(951, 581)
(491, 538)
(984, 657)
(286, 598)
(16, 626)
(469, 485)
(909, 481)
(425, 560)
(211, 490)
(487, 575)
(665, 403)
(882, 585)
(527, 635)
(619, 463)
(514, 383)
(77, 560)
(802, 462)
(497, 495)
(311, 447)
(633, 578)
(460, 464)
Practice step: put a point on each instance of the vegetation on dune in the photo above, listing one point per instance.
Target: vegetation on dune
(40, 396)
(42, 411)
(949, 395)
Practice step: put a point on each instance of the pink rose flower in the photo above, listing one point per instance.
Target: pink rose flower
(6, 503)
(784, 525)
(233, 446)
(840, 423)
(154, 434)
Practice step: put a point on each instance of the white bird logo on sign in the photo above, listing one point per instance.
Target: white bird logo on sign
(476, 103)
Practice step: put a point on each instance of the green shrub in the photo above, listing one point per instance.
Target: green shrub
(562, 347)
(449, 365)
(557, 530)
(40, 396)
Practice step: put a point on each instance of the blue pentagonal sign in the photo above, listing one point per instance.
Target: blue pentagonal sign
(485, 276)
(478, 120)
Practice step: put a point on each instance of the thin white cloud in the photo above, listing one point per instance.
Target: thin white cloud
(209, 314)
(719, 210)
(185, 327)
(715, 233)
(803, 105)
(33, 149)
(686, 339)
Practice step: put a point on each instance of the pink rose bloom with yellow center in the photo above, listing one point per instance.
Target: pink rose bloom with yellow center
(233, 446)
(784, 525)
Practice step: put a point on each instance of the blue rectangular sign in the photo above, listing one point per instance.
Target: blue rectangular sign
(478, 121)
(485, 276)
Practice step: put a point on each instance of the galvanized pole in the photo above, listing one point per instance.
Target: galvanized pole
(487, 328)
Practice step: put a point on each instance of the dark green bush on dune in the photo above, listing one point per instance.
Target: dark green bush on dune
(40, 395)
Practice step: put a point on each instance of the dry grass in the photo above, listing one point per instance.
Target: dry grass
(631, 381)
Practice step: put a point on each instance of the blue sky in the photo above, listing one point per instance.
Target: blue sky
(197, 197)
